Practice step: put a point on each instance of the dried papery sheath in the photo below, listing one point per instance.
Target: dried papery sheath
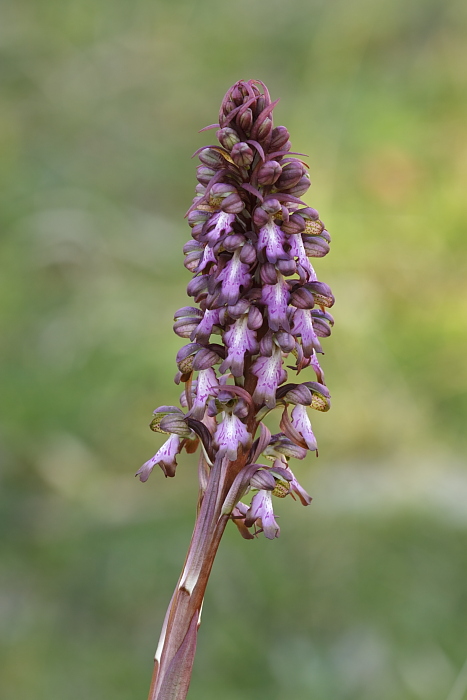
(257, 309)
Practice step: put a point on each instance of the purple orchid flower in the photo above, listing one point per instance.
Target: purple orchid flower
(262, 513)
(231, 435)
(254, 286)
(206, 386)
(164, 457)
(203, 330)
(302, 326)
(276, 297)
(297, 250)
(234, 276)
(270, 374)
(218, 226)
(239, 340)
(302, 425)
(271, 239)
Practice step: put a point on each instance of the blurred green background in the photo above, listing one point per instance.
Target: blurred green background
(364, 595)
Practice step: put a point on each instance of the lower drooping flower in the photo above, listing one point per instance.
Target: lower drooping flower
(302, 425)
(262, 513)
(165, 457)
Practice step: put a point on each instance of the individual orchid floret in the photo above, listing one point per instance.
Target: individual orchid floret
(206, 387)
(231, 435)
(281, 447)
(218, 226)
(271, 241)
(317, 367)
(270, 374)
(302, 425)
(276, 297)
(297, 250)
(162, 413)
(303, 327)
(261, 512)
(239, 339)
(295, 487)
(234, 277)
(165, 457)
(205, 327)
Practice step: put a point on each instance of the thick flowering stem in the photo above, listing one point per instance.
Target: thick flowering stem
(175, 653)
(254, 286)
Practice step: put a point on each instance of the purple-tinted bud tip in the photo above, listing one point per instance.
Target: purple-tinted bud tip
(269, 172)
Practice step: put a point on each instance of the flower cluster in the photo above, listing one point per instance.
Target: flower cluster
(254, 286)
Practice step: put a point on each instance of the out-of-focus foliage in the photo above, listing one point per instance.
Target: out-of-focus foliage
(364, 595)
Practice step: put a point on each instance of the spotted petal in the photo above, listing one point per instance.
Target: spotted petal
(239, 340)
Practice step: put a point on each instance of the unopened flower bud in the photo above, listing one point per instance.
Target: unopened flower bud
(184, 327)
(204, 359)
(287, 267)
(322, 293)
(300, 394)
(191, 261)
(269, 172)
(260, 216)
(264, 130)
(238, 309)
(263, 480)
(266, 345)
(212, 158)
(222, 190)
(282, 445)
(260, 105)
(272, 205)
(301, 187)
(302, 298)
(242, 154)
(315, 246)
(255, 318)
(175, 424)
(248, 254)
(279, 138)
(159, 414)
(291, 174)
(233, 204)
(309, 213)
(245, 120)
(204, 174)
(233, 241)
(197, 285)
(228, 137)
(268, 273)
(197, 216)
(295, 224)
(286, 341)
